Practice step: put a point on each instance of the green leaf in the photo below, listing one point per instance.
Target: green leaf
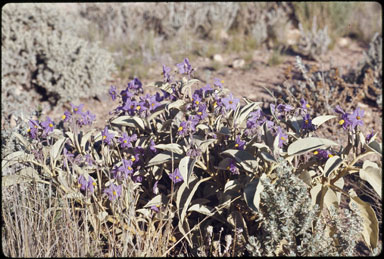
(85, 139)
(186, 168)
(370, 224)
(252, 193)
(245, 159)
(200, 208)
(243, 113)
(21, 139)
(157, 200)
(162, 158)
(56, 150)
(268, 157)
(321, 119)
(129, 121)
(375, 146)
(305, 145)
(173, 147)
(331, 165)
(175, 104)
(372, 173)
(330, 198)
(317, 195)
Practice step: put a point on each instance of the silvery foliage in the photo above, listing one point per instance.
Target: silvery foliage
(313, 43)
(41, 50)
(288, 218)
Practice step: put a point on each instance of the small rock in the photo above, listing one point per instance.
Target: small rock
(343, 42)
(218, 58)
(293, 36)
(238, 63)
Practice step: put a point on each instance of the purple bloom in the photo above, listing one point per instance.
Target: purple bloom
(129, 106)
(87, 118)
(239, 144)
(176, 176)
(153, 103)
(66, 116)
(77, 109)
(202, 112)
(33, 128)
(233, 168)
(218, 82)
(304, 104)
(282, 136)
(47, 125)
(155, 208)
(126, 94)
(284, 108)
(106, 136)
(112, 92)
(125, 140)
(356, 118)
(344, 120)
(113, 191)
(136, 85)
(137, 178)
(323, 154)
(152, 145)
(182, 130)
(196, 99)
(307, 123)
(86, 185)
(125, 168)
(230, 102)
(166, 74)
(185, 67)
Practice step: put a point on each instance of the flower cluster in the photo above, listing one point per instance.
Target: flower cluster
(350, 121)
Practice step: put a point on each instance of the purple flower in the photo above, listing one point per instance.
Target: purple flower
(126, 94)
(129, 106)
(218, 82)
(66, 116)
(86, 185)
(152, 145)
(304, 104)
(344, 120)
(33, 128)
(230, 102)
(47, 125)
(239, 144)
(155, 208)
(182, 129)
(112, 92)
(233, 168)
(77, 109)
(113, 191)
(176, 176)
(153, 103)
(282, 136)
(166, 74)
(87, 118)
(307, 123)
(284, 108)
(106, 136)
(126, 141)
(196, 99)
(185, 67)
(202, 111)
(323, 154)
(126, 169)
(137, 178)
(356, 118)
(136, 85)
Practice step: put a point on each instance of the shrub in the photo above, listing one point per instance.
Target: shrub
(42, 53)
(190, 160)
